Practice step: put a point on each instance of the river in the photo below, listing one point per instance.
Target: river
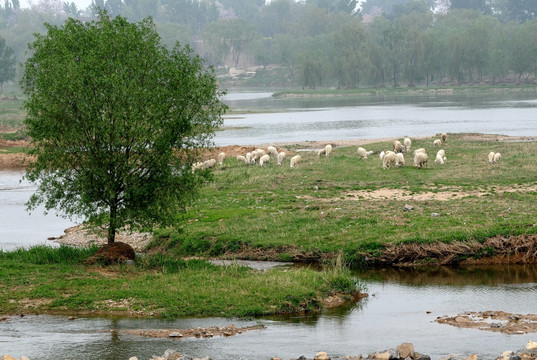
(402, 305)
(276, 120)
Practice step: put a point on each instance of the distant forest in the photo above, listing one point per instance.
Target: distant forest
(314, 43)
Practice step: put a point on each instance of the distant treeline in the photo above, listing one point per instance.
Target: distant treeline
(327, 42)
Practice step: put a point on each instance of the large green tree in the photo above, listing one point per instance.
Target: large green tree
(117, 120)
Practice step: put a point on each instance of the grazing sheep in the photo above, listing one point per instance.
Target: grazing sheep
(491, 157)
(264, 159)
(443, 137)
(221, 158)
(295, 160)
(197, 166)
(257, 153)
(422, 150)
(370, 152)
(281, 157)
(242, 158)
(272, 150)
(328, 150)
(208, 164)
(397, 147)
(399, 159)
(420, 160)
(381, 155)
(362, 153)
(437, 142)
(497, 157)
(248, 158)
(440, 157)
(321, 152)
(389, 160)
(407, 142)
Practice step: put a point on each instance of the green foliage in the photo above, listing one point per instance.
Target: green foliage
(117, 120)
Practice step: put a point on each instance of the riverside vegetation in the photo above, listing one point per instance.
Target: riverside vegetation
(466, 209)
(323, 208)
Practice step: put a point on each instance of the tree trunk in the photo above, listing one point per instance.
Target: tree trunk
(112, 225)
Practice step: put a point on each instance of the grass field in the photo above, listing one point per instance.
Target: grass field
(44, 279)
(343, 203)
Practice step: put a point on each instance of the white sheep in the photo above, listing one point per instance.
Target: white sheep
(295, 160)
(381, 155)
(208, 164)
(443, 137)
(362, 153)
(440, 157)
(221, 158)
(437, 142)
(281, 157)
(497, 157)
(328, 150)
(321, 152)
(264, 159)
(242, 158)
(491, 157)
(407, 142)
(399, 159)
(197, 166)
(249, 158)
(422, 150)
(272, 150)
(398, 147)
(420, 160)
(257, 153)
(388, 160)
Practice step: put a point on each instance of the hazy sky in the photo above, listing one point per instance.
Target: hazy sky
(81, 4)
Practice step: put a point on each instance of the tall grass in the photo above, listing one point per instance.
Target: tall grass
(42, 254)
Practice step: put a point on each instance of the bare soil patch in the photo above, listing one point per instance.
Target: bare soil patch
(206, 332)
(114, 253)
(83, 236)
(440, 194)
(495, 321)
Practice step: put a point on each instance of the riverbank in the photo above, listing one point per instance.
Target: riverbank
(437, 89)
(44, 280)
(466, 210)
(404, 351)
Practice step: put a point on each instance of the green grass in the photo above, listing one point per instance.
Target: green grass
(311, 212)
(389, 90)
(11, 113)
(44, 279)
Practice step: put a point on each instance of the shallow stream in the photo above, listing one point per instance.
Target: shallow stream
(402, 307)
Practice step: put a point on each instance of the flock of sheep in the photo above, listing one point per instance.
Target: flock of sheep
(390, 158)
(258, 156)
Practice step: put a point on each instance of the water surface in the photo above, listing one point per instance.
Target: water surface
(370, 117)
(402, 307)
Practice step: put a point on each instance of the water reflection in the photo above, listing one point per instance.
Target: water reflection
(493, 275)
